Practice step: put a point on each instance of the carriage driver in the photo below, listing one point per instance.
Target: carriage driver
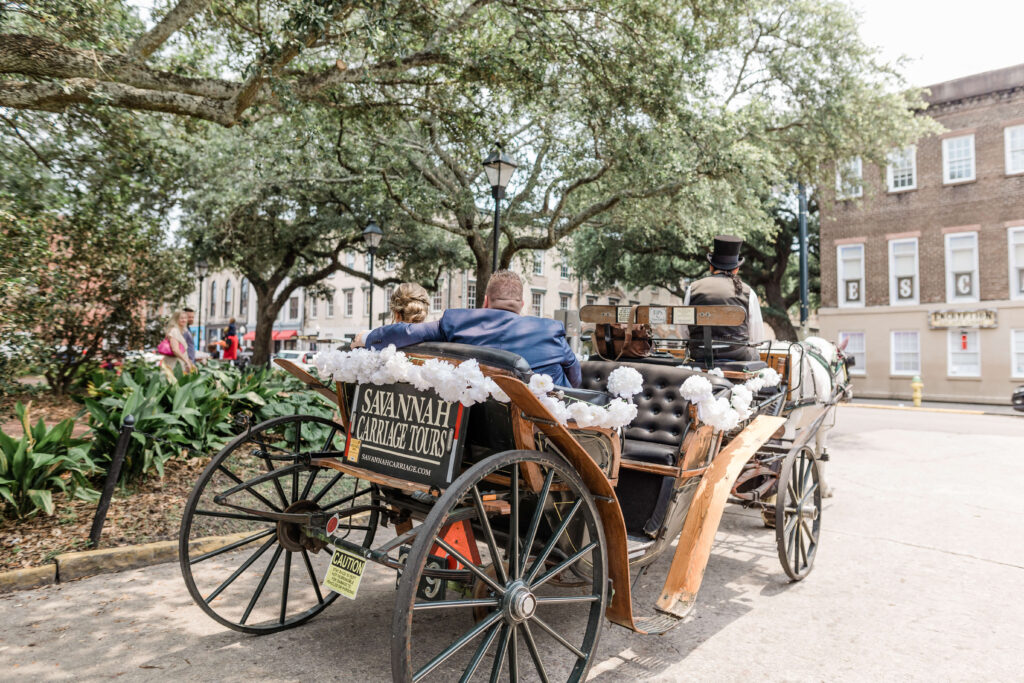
(722, 286)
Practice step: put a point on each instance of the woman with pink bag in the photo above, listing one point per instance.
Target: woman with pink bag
(172, 348)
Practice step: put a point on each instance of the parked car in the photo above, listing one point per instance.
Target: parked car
(304, 359)
(1018, 399)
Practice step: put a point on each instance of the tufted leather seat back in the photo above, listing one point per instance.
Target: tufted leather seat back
(662, 414)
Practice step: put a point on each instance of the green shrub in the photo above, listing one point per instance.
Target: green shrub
(42, 461)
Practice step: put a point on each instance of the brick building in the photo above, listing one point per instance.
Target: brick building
(923, 261)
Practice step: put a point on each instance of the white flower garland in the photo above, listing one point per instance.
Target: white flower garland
(721, 413)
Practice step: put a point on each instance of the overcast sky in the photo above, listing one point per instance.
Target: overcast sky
(945, 39)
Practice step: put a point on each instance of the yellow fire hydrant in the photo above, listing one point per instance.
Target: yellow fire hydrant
(916, 384)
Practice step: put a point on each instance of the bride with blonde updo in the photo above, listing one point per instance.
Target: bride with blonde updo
(409, 303)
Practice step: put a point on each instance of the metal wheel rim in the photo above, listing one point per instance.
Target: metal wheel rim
(798, 506)
(265, 544)
(495, 628)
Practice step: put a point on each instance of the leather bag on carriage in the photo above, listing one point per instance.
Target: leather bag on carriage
(614, 341)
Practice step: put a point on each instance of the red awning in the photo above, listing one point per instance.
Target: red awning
(284, 334)
(249, 336)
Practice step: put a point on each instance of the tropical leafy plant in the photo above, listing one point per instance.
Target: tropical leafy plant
(44, 460)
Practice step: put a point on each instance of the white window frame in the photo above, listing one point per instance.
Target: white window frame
(243, 298)
(858, 369)
(229, 306)
(349, 310)
(855, 170)
(955, 333)
(350, 259)
(312, 306)
(892, 354)
(563, 269)
(538, 263)
(951, 296)
(471, 295)
(1015, 277)
(591, 300)
(1014, 335)
(612, 301)
(562, 298)
(840, 280)
(945, 160)
(366, 301)
(894, 299)
(1007, 152)
(329, 313)
(537, 309)
(912, 150)
(293, 307)
(436, 302)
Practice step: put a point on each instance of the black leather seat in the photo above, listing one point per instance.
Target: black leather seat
(741, 365)
(485, 355)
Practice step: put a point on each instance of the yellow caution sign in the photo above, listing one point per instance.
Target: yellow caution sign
(345, 573)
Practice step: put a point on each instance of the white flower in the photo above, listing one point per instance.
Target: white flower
(555, 407)
(495, 391)
(625, 382)
(718, 413)
(619, 414)
(584, 414)
(755, 384)
(696, 389)
(717, 372)
(541, 384)
(741, 399)
(770, 377)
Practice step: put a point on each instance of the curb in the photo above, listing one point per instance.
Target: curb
(81, 564)
(960, 411)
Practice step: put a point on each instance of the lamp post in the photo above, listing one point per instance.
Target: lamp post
(499, 167)
(372, 236)
(202, 269)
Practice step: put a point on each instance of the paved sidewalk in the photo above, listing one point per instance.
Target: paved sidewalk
(941, 406)
(919, 576)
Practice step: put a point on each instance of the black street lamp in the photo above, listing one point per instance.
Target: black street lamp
(372, 236)
(202, 269)
(499, 167)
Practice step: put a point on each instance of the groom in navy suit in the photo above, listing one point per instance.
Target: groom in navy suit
(498, 325)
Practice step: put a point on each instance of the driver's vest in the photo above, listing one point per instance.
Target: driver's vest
(719, 290)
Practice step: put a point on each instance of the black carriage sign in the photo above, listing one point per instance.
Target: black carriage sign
(398, 430)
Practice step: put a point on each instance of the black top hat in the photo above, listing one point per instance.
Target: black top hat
(726, 254)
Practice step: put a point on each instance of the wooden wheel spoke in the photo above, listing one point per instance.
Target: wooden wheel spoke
(474, 602)
(270, 468)
(330, 485)
(559, 568)
(232, 546)
(531, 645)
(309, 483)
(460, 643)
(478, 656)
(262, 584)
(312, 577)
(565, 643)
(807, 495)
(513, 526)
(513, 654)
(469, 565)
(238, 572)
(539, 562)
(499, 656)
(792, 491)
(233, 515)
(346, 499)
(538, 514)
(248, 487)
(553, 600)
(284, 584)
(803, 549)
(492, 545)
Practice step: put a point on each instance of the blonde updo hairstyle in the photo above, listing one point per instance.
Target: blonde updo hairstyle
(410, 303)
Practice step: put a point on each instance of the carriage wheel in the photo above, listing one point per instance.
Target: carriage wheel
(519, 616)
(798, 513)
(257, 575)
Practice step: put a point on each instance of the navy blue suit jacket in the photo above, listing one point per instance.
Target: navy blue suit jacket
(540, 341)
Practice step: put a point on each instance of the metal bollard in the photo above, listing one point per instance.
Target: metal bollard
(915, 386)
(127, 427)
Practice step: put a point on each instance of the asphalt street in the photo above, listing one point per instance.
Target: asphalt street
(919, 576)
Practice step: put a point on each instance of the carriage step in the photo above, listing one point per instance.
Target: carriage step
(637, 545)
(657, 624)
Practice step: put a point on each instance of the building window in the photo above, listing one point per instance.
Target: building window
(1013, 139)
(1016, 237)
(389, 264)
(389, 292)
(850, 271)
(350, 259)
(227, 299)
(901, 173)
(964, 353)
(538, 263)
(962, 266)
(612, 301)
(436, 304)
(958, 159)
(903, 271)
(350, 302)
(243, 298)
(313, 305)
(471, 295)
(591, 300)
(564, 272)
(293, 308)
(906, 353)
(366, 302)
(565, 301)
(855, 349)
(330, 305)
(1017, 349)
(213, 299)
(848, 179)
(537, 304)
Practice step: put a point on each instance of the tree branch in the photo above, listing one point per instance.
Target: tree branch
(151, 40)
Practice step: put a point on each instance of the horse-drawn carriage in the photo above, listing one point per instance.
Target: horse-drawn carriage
(515, 513)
